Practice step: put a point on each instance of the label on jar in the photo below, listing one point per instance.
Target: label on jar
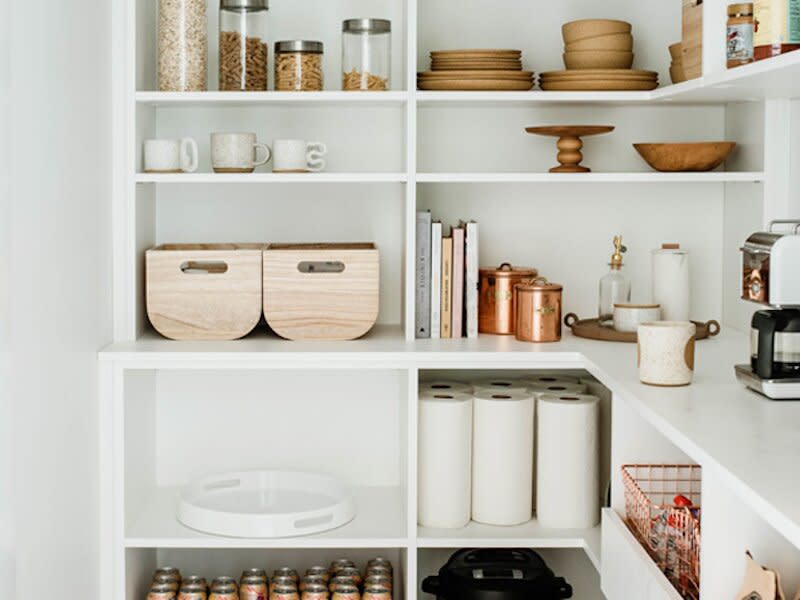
(777, 22)
(740, 42)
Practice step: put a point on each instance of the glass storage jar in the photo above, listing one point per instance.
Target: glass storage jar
(298, 66)
(182, 46)
(366, 54)
(243, 45)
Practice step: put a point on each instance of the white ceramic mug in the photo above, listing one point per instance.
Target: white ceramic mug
(237, 152)
(666, 352)
(298, 156)
(628, 317)
(170, 156)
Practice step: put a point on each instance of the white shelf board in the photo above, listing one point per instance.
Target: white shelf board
(380, 522)
(527, 535)
(221, 99)
(531, 97)
(206, 178)
(641, 177)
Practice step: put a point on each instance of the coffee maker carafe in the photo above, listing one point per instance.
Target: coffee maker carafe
(775, 344)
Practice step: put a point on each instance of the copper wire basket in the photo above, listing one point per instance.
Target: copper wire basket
(669, 533)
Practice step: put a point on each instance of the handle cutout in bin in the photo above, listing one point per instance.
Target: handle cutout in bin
(320, 266)
(204, 267)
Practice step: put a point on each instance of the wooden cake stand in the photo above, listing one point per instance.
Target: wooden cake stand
(569, 144)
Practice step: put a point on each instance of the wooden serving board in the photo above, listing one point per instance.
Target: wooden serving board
(591, 329)
(475, 85)
(476, 75)
(589, 85)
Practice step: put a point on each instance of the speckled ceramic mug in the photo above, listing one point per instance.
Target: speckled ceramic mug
(666, 352)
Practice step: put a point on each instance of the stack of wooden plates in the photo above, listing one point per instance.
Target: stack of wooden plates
(599, 80)
(476, 70)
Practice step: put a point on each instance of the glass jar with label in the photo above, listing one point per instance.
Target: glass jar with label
(298, 66)
(366, 55)
(740, 34)
(243, 45)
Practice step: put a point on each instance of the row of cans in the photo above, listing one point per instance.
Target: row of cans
(342, 580)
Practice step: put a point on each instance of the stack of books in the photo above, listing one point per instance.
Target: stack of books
(446, 279)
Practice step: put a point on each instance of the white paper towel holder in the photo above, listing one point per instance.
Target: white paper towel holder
(265, 504)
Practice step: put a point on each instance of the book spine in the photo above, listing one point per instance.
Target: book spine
(423, 275)
(471, 284)
(436, 279)
(447, 289)
(458, 282)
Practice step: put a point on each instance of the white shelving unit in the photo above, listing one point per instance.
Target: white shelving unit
(174, 411)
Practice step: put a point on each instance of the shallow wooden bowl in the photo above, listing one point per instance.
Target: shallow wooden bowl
(598, 59)
(622, 42)
(587, 28)
(697, 156)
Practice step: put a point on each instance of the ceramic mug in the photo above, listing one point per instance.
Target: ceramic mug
(666, 352)
(298, 156)
(237, 152)
(628, 317)
(170, 156)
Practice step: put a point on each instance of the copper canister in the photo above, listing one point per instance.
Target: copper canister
(496, 300)
(538, 306)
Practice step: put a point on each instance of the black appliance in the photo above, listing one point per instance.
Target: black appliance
(775, 344)
(496, 574)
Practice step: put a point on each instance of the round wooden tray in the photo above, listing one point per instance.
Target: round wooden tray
(591, 329)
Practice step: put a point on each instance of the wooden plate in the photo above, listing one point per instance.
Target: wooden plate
(504, 85)
(510, 64)
(588, 85)
(608, 73)
(591, 329)
(570, 130)
(467, 67)
(477, 52)
(599, 78)
(473, 74)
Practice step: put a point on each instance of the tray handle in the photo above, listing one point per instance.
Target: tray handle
(713, 327)
(570, 319)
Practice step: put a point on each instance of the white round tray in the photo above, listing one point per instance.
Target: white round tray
(265, 504)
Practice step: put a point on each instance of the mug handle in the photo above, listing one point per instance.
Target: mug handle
(268, 152)
(189, 155)
(315, 152)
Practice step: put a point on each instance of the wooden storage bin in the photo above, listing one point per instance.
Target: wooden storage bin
(321, 291)
(204, 291)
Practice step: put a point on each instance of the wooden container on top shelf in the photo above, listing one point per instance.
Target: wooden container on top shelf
(692, 38)
(321, 291)
(203, 291)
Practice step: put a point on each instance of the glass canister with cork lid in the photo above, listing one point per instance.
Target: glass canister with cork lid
(366, 55)
(298, 66)
(243, 45)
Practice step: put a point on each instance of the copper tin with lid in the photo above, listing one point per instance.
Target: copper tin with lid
(538, 306)
(496, 299)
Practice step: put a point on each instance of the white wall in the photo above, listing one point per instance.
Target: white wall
(56, 255)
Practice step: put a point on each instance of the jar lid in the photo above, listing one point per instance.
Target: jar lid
(670, 249)
(540, 284)
(506, 270)
(298, 46)
(244, 4)
(740, 9)
(367, 26)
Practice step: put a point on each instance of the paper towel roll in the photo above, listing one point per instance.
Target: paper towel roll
(502, 457)
(551, 379)
(567, 467)
(500, 384)
(563, 387)
(445, 459)
(445, 385)
(671, 284)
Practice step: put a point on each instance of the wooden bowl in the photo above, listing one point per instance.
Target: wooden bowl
(697, 156)
(587, 28)
(676, 52)
(616, 41)
(598, 59)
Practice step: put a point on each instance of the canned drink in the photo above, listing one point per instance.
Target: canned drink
(319, 571)
(284, 592)
(352, 574)
(194, 580)
(224, 581)
(378, 581)
(380, 569)
(281, 581)
(253, 588)
(338, 582)
(379, 561)
(169, 579)
(315, 591)
(160, 591)
(224, 592)
(255, 572)
(168, 571)
(346, 592)
(286, 572)
(192, 591)
(376, 593)
(308, 580)
(340, 563)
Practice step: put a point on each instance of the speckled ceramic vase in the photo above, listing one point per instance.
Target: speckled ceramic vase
(666, 352)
